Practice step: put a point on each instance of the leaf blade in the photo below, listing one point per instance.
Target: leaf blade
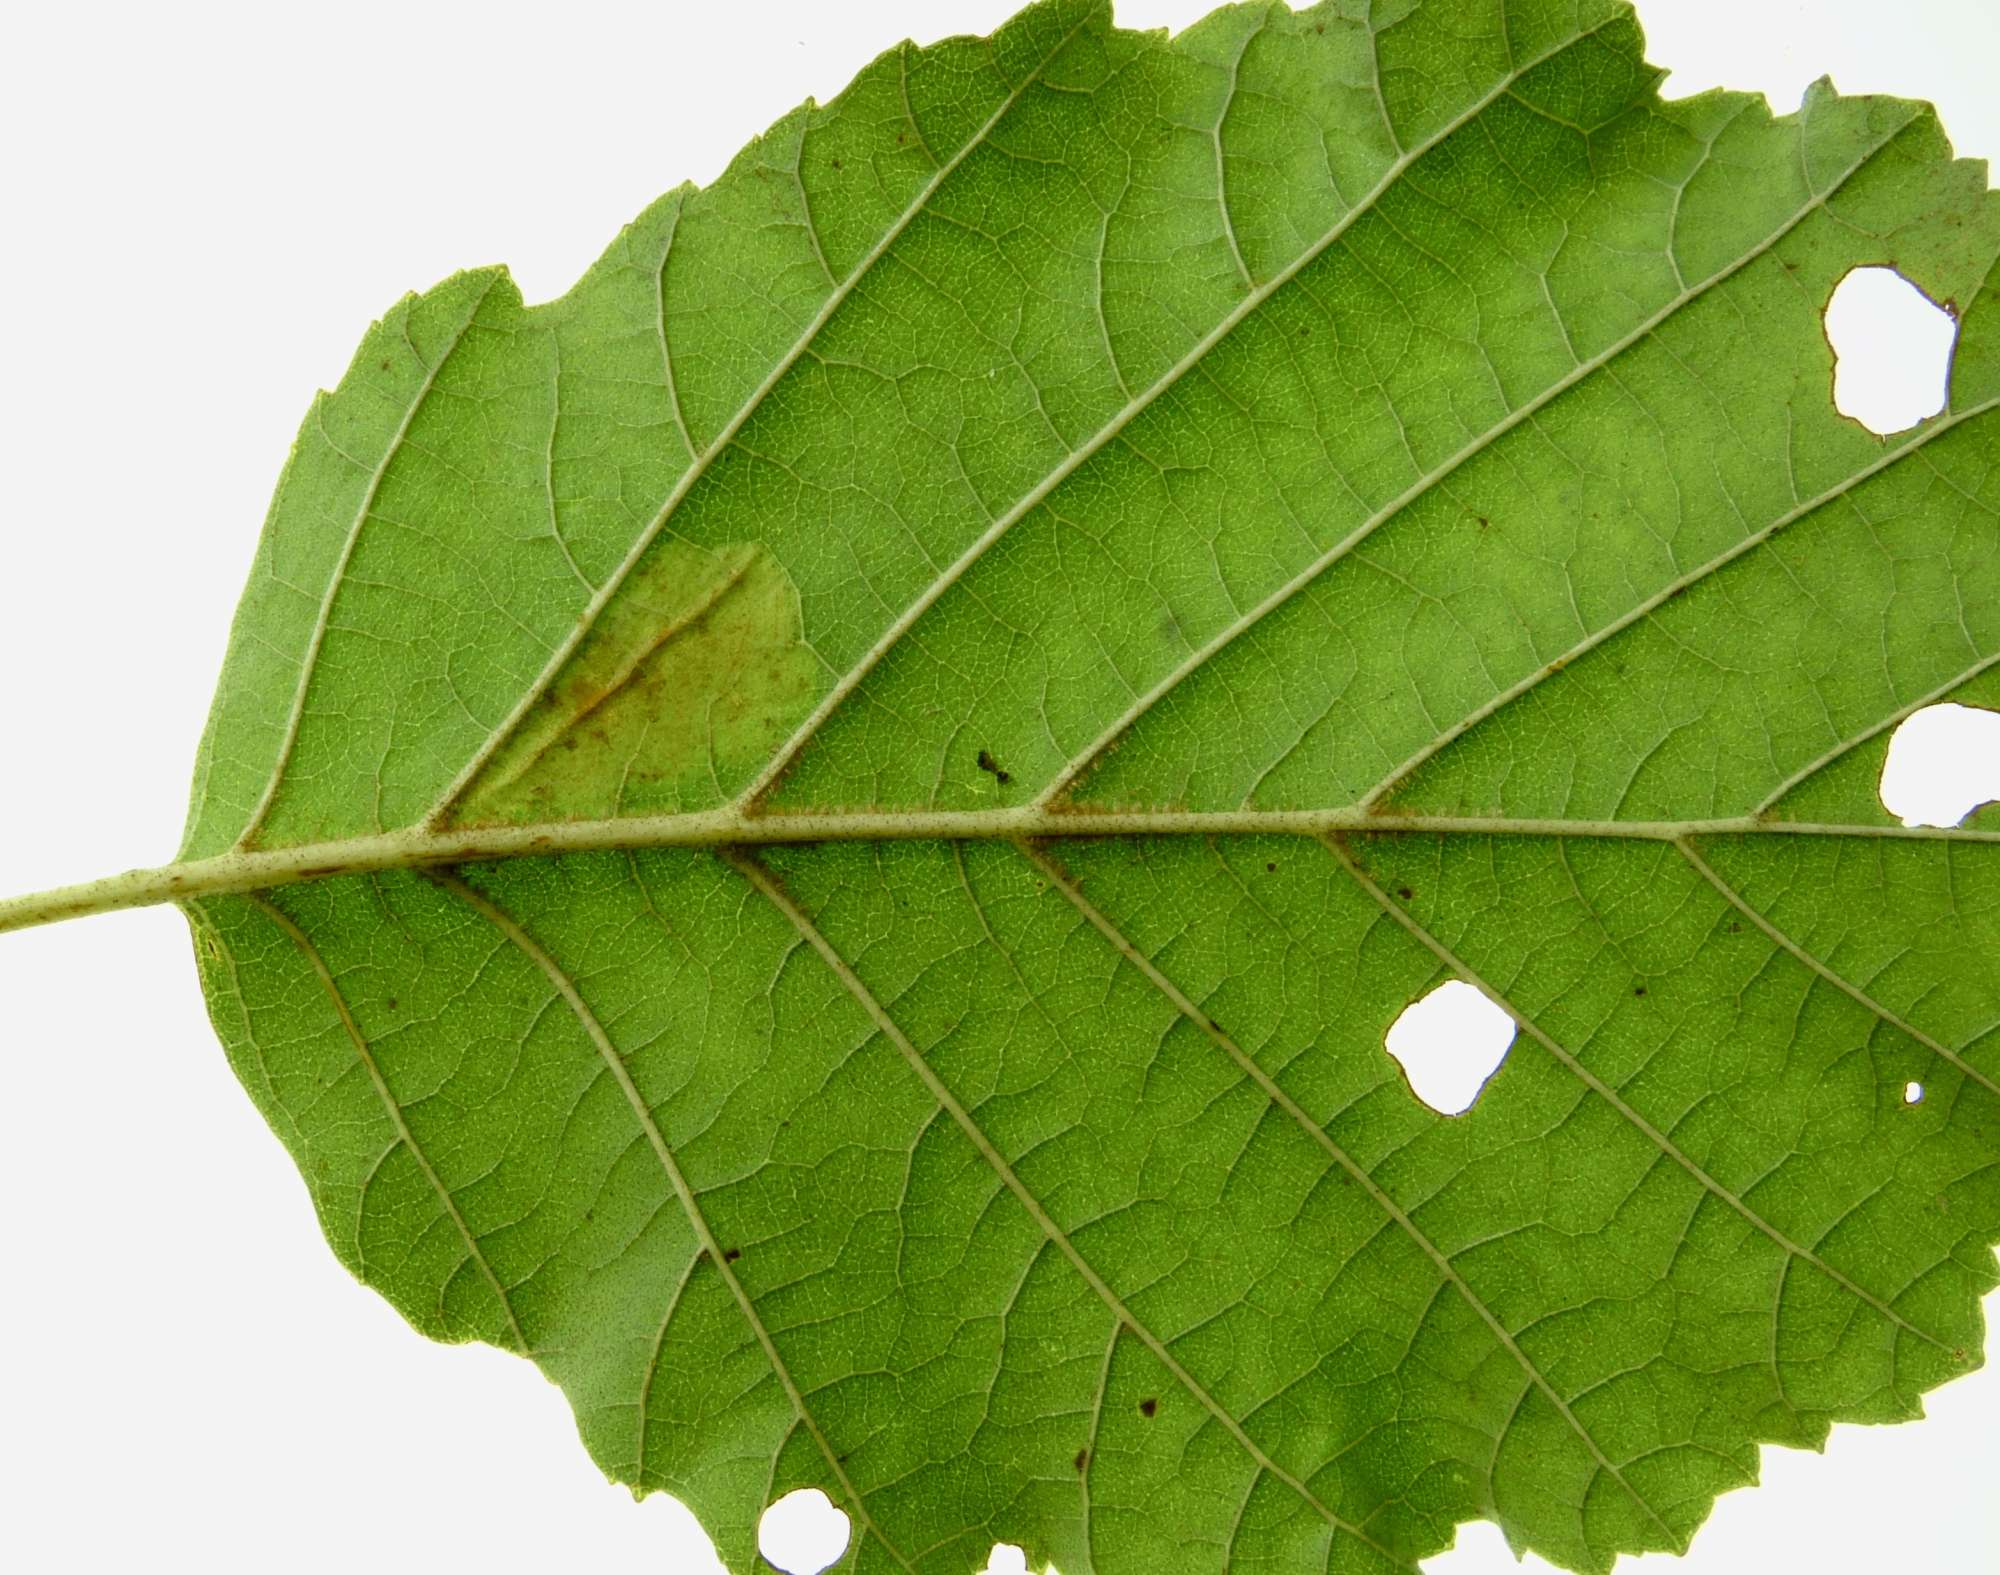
(1250, 1414)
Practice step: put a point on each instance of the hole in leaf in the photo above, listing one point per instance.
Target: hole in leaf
(802, 1533)
(1913, 1093)
(1943, 763)
(1006, 1559)
(1892, 350)
(1449, 1044)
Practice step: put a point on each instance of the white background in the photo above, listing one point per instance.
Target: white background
(204, 206)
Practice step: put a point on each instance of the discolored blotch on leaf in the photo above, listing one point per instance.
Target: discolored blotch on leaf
(689, 678)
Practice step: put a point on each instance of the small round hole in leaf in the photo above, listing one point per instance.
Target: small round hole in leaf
(1913, 1093)
(1892, 349)
(802, 1533)
(1943, 763)
(1449, 1044)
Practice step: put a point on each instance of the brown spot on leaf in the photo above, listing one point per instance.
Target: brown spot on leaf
(991, 766)
(1149, 1407)
(692, 676)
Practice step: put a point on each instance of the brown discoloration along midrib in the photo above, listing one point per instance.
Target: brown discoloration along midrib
(667, 635)
(686, 685)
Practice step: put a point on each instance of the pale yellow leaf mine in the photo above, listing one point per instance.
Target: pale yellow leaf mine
(700, 668)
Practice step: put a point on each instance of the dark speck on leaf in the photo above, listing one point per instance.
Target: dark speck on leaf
(988, 764)
(732, 1255)
(1082, 1458)
(1404, 892)
(1270, 869)
(1639, 989)
(1148, 1406)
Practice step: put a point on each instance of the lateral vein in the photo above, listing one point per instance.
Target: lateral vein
(699, 465)
(1228, 634)
(614, 1062)
(1616, 1101)
(365, 1053)
(849, 681)
(767, 884)
(1854, 992)
(1666, 593)
(1275, 1093)
(309, 660)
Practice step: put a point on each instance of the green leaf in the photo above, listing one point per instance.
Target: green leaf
(822, 834)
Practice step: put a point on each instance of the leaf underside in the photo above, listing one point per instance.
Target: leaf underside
(1394, 409)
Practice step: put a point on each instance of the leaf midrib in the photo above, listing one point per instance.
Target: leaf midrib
(238, 872)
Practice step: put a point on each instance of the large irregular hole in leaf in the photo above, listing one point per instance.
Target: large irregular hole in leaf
(1449, 1044)
(1943, 763)
(802, 1533)
(1892, 348)
(1006, 1559)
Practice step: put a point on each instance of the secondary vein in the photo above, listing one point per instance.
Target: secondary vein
(767, 884)
(1377, 1194)
(699, 465)
(1617, 1102)
(614, 1062)
(365, 1054)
